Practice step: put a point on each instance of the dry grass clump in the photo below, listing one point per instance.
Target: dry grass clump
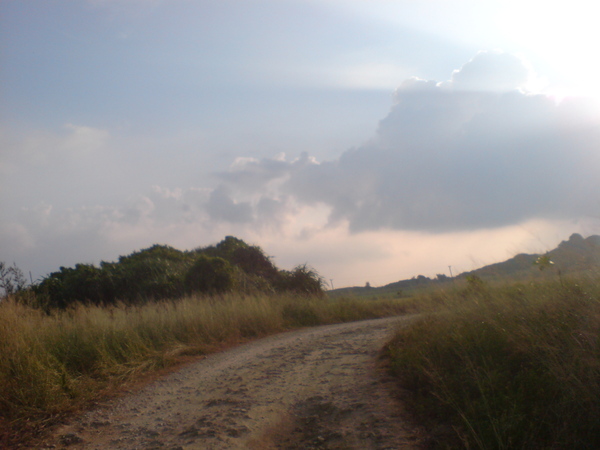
(512, 367)
(52, 364)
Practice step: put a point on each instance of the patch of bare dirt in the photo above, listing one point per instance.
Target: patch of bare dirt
(317, 388)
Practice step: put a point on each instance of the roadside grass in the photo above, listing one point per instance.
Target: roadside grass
(505, 367)
(54, 364)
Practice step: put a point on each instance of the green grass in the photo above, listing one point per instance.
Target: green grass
(505, 367)
(52, 365)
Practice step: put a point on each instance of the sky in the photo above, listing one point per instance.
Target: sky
(374, 140)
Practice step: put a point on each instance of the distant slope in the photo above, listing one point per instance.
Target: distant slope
(397, 289)
(577, 255)
(574, 256)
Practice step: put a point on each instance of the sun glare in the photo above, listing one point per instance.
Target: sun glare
(562, 36)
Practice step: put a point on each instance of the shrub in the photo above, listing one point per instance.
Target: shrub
(84, 282)
(302, 280)
(250, 258)
(209, 274)
(161, 272)
(155, 272)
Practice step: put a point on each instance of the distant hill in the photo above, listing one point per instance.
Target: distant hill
(398, 288)
(574, 256)
(577, 255)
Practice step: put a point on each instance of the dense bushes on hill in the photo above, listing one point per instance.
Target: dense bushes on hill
(161, 272)
(210, 274)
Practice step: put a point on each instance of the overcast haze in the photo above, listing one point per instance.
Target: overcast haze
(374, 140)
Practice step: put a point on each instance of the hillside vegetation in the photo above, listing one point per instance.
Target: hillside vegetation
(163, 272)
(576, 257)
(54, 364)
(85, 332)
(492, 363)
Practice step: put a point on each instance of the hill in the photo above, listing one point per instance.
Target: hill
(574, 256)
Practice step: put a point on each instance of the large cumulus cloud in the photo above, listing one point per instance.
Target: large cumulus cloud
(474, 152)
(492, 71)
(477, 151)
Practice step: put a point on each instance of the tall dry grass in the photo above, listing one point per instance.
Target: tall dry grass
(506, 367)
(53, 364)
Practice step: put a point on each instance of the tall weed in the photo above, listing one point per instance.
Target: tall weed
(507, 367)
(52, 364)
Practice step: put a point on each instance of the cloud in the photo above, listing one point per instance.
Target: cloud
(338, 73)
(474, 152)
(52, 150)
(43, 237)
(73, 165)
(252, 175)
(84, 139)
(492, 71)
(222, 207)
(15, 238)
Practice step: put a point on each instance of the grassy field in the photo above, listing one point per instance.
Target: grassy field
(489, 367)
(53, 365)
(505, 367)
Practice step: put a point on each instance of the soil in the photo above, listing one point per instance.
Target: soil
(315, 388)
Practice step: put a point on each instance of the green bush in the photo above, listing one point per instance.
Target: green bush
(251, 259)
(209, 274)
(156, 272)
(85, 282)
(302, 280)
(153, 273)
(161, 272)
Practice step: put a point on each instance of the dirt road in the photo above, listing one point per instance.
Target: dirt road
(316, 388)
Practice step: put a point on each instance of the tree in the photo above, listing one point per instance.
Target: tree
(83, 283)
(12, 280)
(250, 258)
(155, 272)
(209, 274)
(302, 280)
(163, 272)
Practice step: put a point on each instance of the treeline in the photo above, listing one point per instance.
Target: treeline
(163, 272)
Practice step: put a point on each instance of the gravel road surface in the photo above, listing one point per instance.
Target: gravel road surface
(315, 388)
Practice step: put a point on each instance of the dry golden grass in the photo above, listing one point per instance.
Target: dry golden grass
(51, 365)
(506, 367)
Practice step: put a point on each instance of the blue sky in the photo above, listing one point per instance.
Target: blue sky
(375, 140)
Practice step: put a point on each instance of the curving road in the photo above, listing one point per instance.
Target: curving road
(313, 388)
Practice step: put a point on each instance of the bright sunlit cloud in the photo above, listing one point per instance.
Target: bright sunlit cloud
(560, 36)
(563, 35)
